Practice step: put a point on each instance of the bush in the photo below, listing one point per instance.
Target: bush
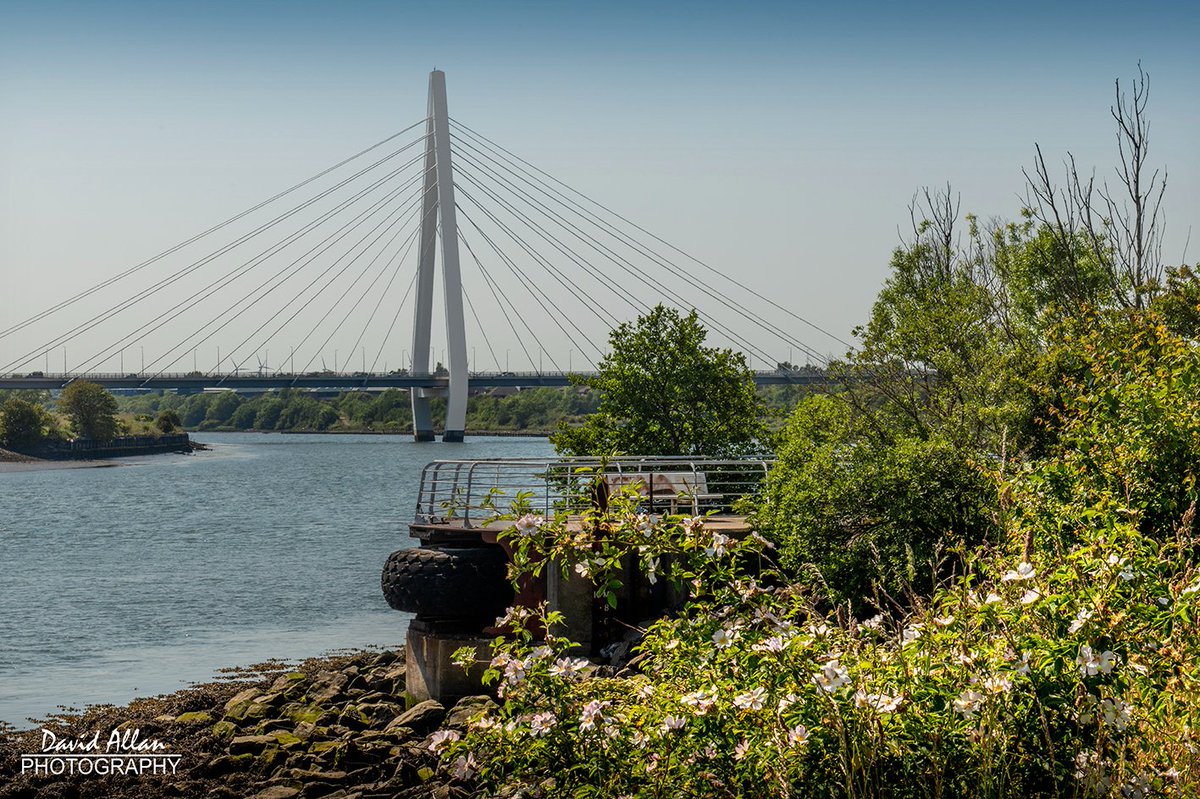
(856, 512)
(168, 421)
(22, 424)
(91, 408)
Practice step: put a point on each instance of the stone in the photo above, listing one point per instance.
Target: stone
(327, 685)
(246, 711)
(300, 713)
(224, 729)
(422, 717)
(286, 739)
(250, 743)
(242, 696)
(193, 718)
(467, 708)
(277, 792)
(310, 775)
(226, 764)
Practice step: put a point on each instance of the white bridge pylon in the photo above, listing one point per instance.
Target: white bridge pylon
(438, 206)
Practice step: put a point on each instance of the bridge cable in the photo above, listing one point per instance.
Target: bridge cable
(525, 280)
(488, 142)
(497, 294)
(109, 281)
(682, 274)
(482, 333)
(396, 316)
(633, 272)
(285, 273)
(330, 281)
(417, 202)
(232, 275)
(155, 288)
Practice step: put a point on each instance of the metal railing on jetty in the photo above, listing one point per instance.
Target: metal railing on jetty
(469, 492)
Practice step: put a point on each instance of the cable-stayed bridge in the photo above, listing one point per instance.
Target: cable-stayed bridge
(322, 273)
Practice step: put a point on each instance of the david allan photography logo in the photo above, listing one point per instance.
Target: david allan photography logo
(123, 752)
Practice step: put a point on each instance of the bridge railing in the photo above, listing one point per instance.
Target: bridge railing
(470, 492)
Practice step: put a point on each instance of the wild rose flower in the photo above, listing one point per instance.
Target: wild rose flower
(591, 712)
(1115, 713)
(775, 644)
(910, 634)
(751, 700)
(944, 621)
(992, 598)
(1090, 663)
(741, 750)
(873, 623)
(569, 667)
(673, 723)
(540, 723)
(723, 638)
(968, 703)
(881, 703)
(1030, 596)
(1024, 571)
(798, 735)
(787, 701)
(1081, 619)
(529, 524)
(464, 767)
(831, 677)
(717, 548)
(441, 738)
(700, 701)
(997, 684)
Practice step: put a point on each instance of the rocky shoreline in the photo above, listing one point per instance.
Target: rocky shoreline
(338, 727)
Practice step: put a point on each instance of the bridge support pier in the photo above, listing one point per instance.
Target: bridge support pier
(438, 205)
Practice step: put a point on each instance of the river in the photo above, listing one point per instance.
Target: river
(139, 579)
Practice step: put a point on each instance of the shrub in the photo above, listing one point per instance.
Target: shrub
(22, 423)
(168, 421)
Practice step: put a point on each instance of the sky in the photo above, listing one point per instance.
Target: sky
(778, 143)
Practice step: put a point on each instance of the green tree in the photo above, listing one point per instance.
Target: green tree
(22, 424)
(662, 392)
(91, 409)
(168, 421)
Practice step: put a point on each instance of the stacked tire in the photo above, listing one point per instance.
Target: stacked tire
(466, 584)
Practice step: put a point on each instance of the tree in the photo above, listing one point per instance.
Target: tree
(23, 424)
(662, 392)
(92, 410)
(168, 421)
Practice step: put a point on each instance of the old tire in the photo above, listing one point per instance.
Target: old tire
(448, 582)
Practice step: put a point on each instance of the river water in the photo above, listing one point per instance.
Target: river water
(140, 579)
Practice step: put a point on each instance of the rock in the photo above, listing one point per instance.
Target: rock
(300, 713)
(271, 758)
(240, 697)
(193, 718)
(326, 686)
(277, 792)
(422, 717)
(250, 743)
(226, 764)
(467, 708)
(224, 729)
(309, 775)
(246, 711)
(289, 684)
(286, 739)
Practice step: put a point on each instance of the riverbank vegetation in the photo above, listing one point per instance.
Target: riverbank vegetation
(975, 568)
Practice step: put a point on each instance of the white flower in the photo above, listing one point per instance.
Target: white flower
(568, 667)
(751, 700)
(881, 703)
(873, 623)
(997, 684)
(1107, 661)
(1023, 664)
(540, 723)
(798, 735)
(514, 670)
(529, 524)
(992, 598)
(1024, 571)
(1030, 596)
(831, 677)
(741, 749)
(1091, 664)
(699, 701)
(440, 738)
(485, 723)
(717, 548)
(673, 723)
(652, 567)
(968, 703)
(591, 712)
(722, 638)
(541, 652)
(775, 644)
(1127, 574)
(819, 630)
(1164, 601)
(1115, 713)
(645, 691)
(1080, 619)
(787, 701)
(910, 634)
(944, 621)
(464, 767)
(1191, 589)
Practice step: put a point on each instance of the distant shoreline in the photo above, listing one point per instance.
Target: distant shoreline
(489, 433)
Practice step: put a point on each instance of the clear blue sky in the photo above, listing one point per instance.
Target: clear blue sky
(780, 142)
